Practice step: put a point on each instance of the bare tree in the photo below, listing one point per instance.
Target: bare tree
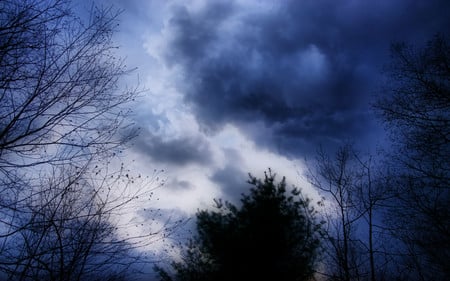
(58, 85)
(353, 194)
(63, 118)
(415, 107)
(70, 229)
(336, 179)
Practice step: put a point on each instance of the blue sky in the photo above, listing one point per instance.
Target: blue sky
(239, 86)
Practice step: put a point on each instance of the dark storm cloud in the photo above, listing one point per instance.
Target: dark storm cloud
(305, 69)
(179, 151)
(232, 182)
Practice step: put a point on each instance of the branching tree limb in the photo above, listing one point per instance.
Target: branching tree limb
(63, 117)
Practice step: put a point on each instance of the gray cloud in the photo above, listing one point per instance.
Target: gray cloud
(179, 151)
(176, 184)
(306, 69)
(232, 181)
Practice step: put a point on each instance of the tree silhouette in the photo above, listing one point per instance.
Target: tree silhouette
(63, 117)
(416, 111)
(273, 235)
(354, 190)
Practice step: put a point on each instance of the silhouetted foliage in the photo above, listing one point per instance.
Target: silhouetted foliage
(272, 236)
(416, 111)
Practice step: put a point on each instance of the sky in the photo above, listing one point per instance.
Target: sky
(234, 87)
